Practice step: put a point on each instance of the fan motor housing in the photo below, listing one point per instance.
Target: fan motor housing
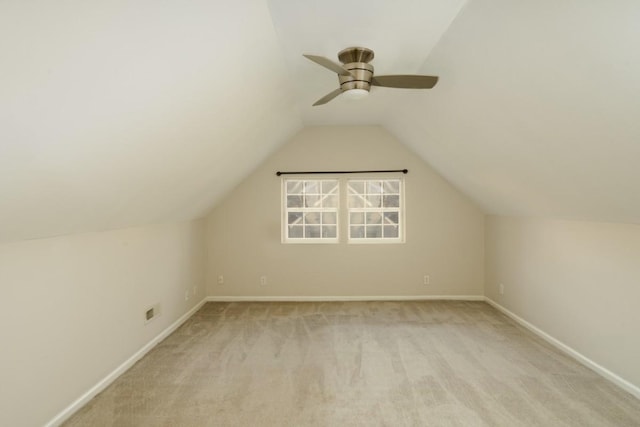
(356, 60)
(362, 73)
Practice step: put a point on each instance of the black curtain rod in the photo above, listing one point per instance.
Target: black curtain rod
(341, 172)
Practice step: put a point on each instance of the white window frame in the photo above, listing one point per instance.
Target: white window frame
(381, 209)
(286, 210)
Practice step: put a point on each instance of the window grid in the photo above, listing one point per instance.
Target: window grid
(375, 210)
(311, 211)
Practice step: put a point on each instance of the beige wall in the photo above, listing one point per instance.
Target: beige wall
(577, 281)
(72, 309)
(445, 231)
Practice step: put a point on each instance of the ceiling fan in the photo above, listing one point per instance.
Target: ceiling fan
(356, 75)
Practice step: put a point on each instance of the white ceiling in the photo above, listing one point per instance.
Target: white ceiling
(121, 113)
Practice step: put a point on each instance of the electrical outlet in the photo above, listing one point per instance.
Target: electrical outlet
(186, 295)
(501, 289)
(221, 280)
(426, 280)
(263, 280)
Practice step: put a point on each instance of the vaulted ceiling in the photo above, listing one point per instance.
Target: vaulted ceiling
(120, 113)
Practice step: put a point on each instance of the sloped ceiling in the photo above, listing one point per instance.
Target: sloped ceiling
(538, 108)
(121, 113)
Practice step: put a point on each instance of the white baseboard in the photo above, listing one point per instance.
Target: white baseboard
(233, 298)
(620, 382)
(106, 381)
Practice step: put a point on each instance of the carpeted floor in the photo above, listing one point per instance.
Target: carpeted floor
(426, 363)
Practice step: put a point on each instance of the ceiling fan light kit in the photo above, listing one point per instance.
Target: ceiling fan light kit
(355, 75)
(355, 94)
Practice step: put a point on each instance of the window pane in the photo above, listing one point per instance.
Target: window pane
(294, 201)
(356, 187)
(374, 231)
(312, 231)
(294, 187)
(391, 186)
(295, 231)
(311, 187)
(312, 201)
(312, 218)
(391, 217)
(391, 201)
(390, 231)
(329, 186)
(294, 218)
(329, 231)
(374, 187)
(356, 202)
(330, 202)
(356, 217)
(357, 232)
(329, 218)
(374, 218)
(373, 201)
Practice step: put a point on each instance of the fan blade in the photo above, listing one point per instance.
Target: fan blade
(327, 63)
(328, 97)
(405, 81)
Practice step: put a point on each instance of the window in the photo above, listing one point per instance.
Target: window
(375, 211)
(310, 210)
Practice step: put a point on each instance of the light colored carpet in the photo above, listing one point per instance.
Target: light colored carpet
(426, 363)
